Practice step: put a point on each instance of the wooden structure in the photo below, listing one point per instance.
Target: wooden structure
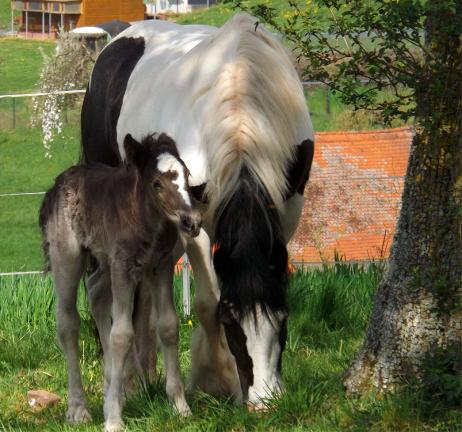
(158, 8)
(46, 16)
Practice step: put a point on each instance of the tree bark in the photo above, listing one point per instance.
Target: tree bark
(418, 303)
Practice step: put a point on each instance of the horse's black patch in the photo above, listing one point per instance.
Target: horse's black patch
(237, 344)
(299, 170)
(282, 342)
(103, 100)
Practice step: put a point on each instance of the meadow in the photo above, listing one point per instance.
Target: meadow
(329, 311)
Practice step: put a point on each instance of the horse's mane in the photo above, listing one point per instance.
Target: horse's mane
(260, 115)
(258, 106)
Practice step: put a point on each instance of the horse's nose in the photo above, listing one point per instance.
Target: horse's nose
(191, 223)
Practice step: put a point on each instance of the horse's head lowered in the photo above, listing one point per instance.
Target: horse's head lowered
(251, 263)
(164, 177)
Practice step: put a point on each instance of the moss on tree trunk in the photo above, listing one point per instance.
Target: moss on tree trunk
(418, 304)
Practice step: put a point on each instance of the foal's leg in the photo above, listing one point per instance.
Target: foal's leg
(145, 321)
(124, 279)
(67, 267)
(168, 327)
(141, 362)
(100, 297)
(213, 366)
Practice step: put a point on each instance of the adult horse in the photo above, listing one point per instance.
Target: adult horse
(233, 103)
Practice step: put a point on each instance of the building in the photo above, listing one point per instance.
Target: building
(160, 7)
(46, 16)
(353, 197)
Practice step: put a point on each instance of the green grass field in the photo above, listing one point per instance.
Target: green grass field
(21, 63)
(329, 312)
(24, 168)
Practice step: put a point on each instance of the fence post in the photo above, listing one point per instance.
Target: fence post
(14, 112)
(186, 287)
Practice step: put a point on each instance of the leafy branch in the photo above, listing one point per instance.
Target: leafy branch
(358, 48)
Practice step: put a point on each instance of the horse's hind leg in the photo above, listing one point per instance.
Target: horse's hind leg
(168, 327)
(67, 264)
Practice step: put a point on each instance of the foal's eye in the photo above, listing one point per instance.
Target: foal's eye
(157, 185)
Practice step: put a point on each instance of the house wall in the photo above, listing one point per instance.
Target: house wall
(99, 11)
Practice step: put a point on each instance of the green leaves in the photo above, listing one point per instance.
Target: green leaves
(360, 48)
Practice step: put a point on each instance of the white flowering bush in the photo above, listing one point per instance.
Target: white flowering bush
(68, 68)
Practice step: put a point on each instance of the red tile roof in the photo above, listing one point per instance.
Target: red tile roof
(353, 196)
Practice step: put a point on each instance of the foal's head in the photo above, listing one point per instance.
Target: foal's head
(164, 177)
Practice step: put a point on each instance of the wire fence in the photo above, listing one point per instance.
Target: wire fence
(17, 109)
(20, 109)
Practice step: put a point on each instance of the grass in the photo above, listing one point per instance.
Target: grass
(21, 63)
(329, 311)
(5, 14)
(23, 168)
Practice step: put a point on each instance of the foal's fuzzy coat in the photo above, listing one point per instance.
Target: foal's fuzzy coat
(128, 219)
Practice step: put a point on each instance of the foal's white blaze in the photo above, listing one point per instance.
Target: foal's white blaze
(264, 349)
(167, 162)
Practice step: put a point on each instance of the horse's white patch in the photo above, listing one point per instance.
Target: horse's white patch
(167, 162)
(263, 348)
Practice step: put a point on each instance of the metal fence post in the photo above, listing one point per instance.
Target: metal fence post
(14, 112)
(186, 287)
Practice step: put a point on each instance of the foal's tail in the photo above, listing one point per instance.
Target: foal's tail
(47, 209)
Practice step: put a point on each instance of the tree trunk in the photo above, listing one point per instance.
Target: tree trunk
(418, 304)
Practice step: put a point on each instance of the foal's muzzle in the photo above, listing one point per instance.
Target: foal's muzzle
(191, 223)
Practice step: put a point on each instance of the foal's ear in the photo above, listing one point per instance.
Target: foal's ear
(133, 150)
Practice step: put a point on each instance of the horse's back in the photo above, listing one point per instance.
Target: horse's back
(188, 84)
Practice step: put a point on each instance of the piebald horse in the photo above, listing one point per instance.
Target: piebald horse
(233, 103)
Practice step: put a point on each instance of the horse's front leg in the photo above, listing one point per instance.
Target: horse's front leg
(168, 328)
(124, 278)
(213, 366)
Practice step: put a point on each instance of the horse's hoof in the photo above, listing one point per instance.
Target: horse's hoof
(78, 414)
(183, 409)
(257, 407)
(114, 426)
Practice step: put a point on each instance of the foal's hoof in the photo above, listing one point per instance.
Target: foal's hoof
(78, 414)
(114, 426)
